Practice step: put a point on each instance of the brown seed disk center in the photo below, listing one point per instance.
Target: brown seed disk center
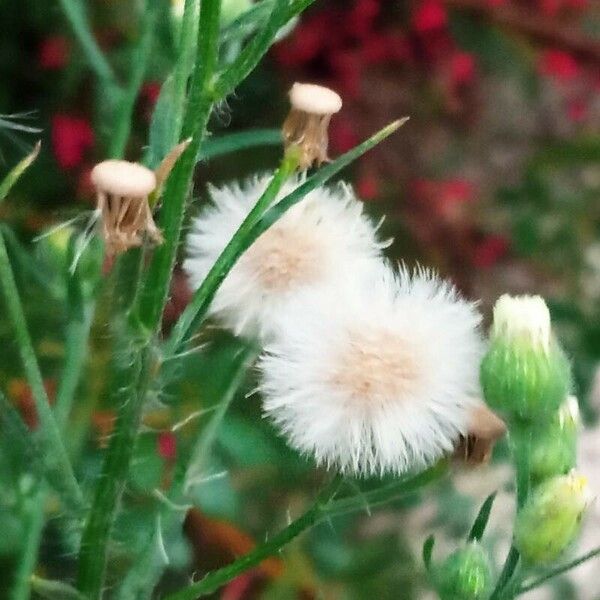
(377, 368)
(284, 258)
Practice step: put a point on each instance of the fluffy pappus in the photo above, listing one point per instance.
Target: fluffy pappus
(382, 382)
(323, 241)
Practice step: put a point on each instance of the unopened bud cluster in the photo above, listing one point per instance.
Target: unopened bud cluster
(526, 377)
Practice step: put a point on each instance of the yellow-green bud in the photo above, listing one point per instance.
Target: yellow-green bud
(524, 375)
(465, 575)
(230, 9)
(550, 520)
(553, 445)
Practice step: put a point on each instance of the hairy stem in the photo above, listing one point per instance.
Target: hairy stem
(153, 296)
(94, 543)
(60, 471)
(324, 508)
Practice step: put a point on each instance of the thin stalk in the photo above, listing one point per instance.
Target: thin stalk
(74, 12)
(94, 543)
(124, 114)
(196, 310)
(154, 294)
(521, 451)
(213, 581)
(56, 458)
(185, 63)
(387, 493)
(32, 538)
(558, 571)
(75, 355)
(324, 508)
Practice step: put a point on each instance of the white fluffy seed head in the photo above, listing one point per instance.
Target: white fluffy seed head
(323, 241)
(314, 99)
(522, 318)
(381, 382)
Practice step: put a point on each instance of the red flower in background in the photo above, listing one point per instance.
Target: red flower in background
(462, 68)
(559, 65)
(429, 16)
(72, 137)
(53, 53)
(489, 251)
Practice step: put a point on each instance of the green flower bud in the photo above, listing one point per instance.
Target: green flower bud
(465, 575)
(553, 445)
(550, 520)
(524, 375)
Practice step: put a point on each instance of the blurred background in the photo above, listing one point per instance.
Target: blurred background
(495, 181)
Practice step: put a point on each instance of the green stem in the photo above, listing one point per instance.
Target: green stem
(213, 581)
(324, 508)
(124, 115)
(253, 52)
(154, 294)
(94, 543)
(185, 63)
(521, 451)
(33, 536)
(197, 308)
(60, 471)
(74, 11)
(559, 571)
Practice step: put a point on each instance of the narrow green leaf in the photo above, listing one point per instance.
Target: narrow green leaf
(243, 140)
(428, 550)
(322, 176)
(481, 521)
(17, 171)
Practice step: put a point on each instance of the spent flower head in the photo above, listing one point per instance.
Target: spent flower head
(306, 126)
(122, 190)
(323, 241)
(378, 380)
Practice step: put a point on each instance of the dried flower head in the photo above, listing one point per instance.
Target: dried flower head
(323, 241)
(485, 429)
(122, 190)
(380, 380)
(308, 121)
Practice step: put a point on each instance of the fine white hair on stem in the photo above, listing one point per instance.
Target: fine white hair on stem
(382, 382)
(324, 240)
